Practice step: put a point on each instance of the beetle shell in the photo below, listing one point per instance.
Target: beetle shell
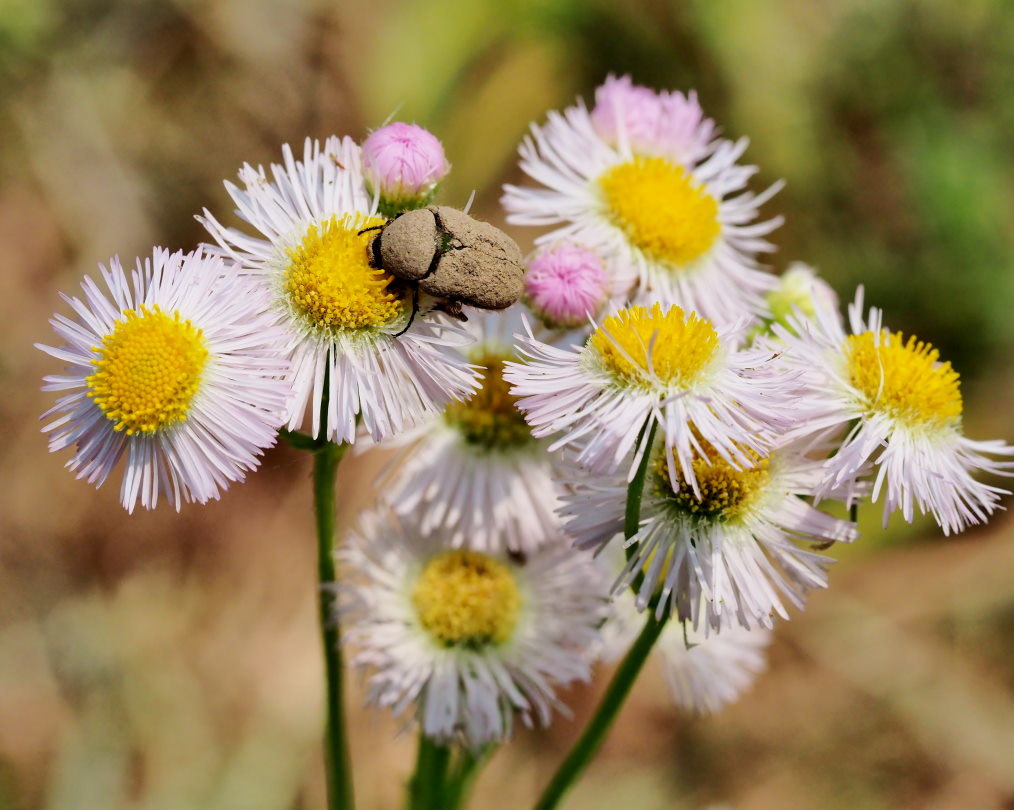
(453, 256)
(407, 245)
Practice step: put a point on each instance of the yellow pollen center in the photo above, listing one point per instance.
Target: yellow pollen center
(660, 208)
(148, 370)
(490, 418)
(330, 283)
(726, 492)
(467, 598)
(640, 346)
(903, 378)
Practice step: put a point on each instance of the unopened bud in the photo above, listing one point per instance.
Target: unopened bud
(403, 163)
(800, 289)
(566, 285)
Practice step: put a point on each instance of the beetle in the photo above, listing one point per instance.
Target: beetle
(449, 255)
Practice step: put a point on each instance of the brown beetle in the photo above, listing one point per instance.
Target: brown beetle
(447, 254)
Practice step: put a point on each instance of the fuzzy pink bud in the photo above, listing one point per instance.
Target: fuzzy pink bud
(566, 285)
(404, 163)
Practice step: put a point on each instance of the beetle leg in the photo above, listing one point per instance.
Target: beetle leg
(415, 309)
(451, 307)
(378, 227)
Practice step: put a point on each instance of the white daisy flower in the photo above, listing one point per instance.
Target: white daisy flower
(476, 474)
(465, 637)
(904, 409)
(673, 368)
(177, 368)
(725, 554)
(686, 229)
(351, 326)
(704, 672)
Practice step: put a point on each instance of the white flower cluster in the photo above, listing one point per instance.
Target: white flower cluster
(659, 397)
(735, 405)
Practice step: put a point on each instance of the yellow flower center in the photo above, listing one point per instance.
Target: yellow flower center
(661, 209)
(490, 418)
(726, 492)
(467, 598)
(638, 345)
(330, 283)
(904, 379)
(148, 370)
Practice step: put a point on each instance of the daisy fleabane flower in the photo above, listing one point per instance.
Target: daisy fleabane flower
(724, 555)
(464, 638)
(350, 325)
(177, 368)
(476, 474)
(704, 672)
(903, 408)
(661, 364)
(674, 219)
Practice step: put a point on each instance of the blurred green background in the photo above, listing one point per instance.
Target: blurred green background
(163, 661)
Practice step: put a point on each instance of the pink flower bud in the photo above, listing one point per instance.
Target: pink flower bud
(404, 163)
(565, 285)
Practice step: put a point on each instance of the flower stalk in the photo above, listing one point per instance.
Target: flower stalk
(635, 491)
(623, 679)
(336, 754)
(429, 782)
(595, 732)
(326, 457)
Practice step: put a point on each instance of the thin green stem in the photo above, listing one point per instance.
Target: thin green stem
(635, 491)
(632, 516)
(339, 771)
(623, 679)
(326, 457)
(464, 774)
(591, 739)
(429, 782)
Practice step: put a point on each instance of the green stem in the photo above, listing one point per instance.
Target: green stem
(429, 781)
(623, 679)
(635, 490)
(339, 772)
(591, 740)
(464, 774)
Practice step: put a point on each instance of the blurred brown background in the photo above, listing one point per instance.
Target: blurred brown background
(166, 661)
